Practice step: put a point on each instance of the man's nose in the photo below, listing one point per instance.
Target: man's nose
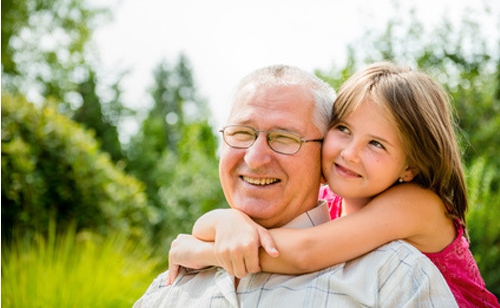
(259, 154)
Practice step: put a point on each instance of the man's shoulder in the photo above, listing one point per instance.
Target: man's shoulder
(397, 253)
(153, 292)
(191, 288)
(395, 259)
(400, 248)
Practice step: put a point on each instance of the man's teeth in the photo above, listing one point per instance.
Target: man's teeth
(259, 181)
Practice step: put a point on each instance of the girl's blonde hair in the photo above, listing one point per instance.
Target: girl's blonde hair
(421, 111)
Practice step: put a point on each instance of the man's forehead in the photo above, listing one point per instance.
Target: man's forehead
(271, 119)
(287, 103)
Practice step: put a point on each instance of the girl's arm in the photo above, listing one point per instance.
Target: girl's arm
(237, 240)
(405, 211)
(190, 252)
(236, 246)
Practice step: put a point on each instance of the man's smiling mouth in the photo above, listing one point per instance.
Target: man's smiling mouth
(260, 181)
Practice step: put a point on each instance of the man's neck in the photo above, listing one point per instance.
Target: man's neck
(319, 214)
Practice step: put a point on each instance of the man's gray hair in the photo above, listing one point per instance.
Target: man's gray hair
(274, 75)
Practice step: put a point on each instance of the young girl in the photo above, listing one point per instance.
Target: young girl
(390, 125)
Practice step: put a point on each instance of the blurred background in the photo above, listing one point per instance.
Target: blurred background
(110, 112)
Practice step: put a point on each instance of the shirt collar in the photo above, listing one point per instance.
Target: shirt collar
(316, 216)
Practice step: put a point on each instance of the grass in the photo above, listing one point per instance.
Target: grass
(75, 270)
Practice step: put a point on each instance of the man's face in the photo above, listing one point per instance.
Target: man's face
(272, 188)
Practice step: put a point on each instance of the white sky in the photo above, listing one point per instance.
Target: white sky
(226, 39)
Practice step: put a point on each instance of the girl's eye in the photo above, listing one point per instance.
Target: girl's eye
(377, 144)
(342, 128)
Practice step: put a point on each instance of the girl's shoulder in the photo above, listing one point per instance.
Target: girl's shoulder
(419, 213)
(411, 197)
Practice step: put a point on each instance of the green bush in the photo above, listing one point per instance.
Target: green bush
(72, 269)
(189, 186)
(482, 220)
(52, 167)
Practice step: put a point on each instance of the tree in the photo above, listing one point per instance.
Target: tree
(91, 115)
(172, 94)
(45, 54)
(174, 152)
(44, 46)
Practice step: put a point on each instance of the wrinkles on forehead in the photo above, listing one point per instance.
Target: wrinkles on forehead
(274, 107)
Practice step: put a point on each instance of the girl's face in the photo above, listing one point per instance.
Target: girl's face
(363, 154)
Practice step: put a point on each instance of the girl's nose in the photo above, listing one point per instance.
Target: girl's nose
(350, 152)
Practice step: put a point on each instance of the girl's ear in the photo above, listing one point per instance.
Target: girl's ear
(408, 174)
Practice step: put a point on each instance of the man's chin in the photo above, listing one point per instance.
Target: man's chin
(260, 211)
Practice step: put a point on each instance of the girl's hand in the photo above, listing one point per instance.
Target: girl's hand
(189, 252)
(237, 242)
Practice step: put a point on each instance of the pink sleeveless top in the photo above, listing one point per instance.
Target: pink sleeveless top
(455, 262)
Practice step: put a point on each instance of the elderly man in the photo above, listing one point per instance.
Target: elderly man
(274, 133)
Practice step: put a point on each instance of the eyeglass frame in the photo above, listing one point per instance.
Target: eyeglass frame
(268, 139)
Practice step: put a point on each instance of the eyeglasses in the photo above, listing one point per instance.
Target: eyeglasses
(280, 141)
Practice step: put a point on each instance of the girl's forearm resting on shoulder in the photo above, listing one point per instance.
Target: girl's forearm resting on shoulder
(307, 250)
(236, 238)
(204, 227)
(399, 213)
(190, 252)
(407, 212)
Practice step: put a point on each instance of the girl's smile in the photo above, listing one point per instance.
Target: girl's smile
(363, 154)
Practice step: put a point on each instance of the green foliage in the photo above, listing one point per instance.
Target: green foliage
(336, 76)
(91, 115)
(70, 269)
(184, 184)
(174, 153)
(483, 218)
(174, 94)
(51, 167)
(44, 45)
(194, 187)
(14, 15)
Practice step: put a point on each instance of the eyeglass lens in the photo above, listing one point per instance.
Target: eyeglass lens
(240, 136)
